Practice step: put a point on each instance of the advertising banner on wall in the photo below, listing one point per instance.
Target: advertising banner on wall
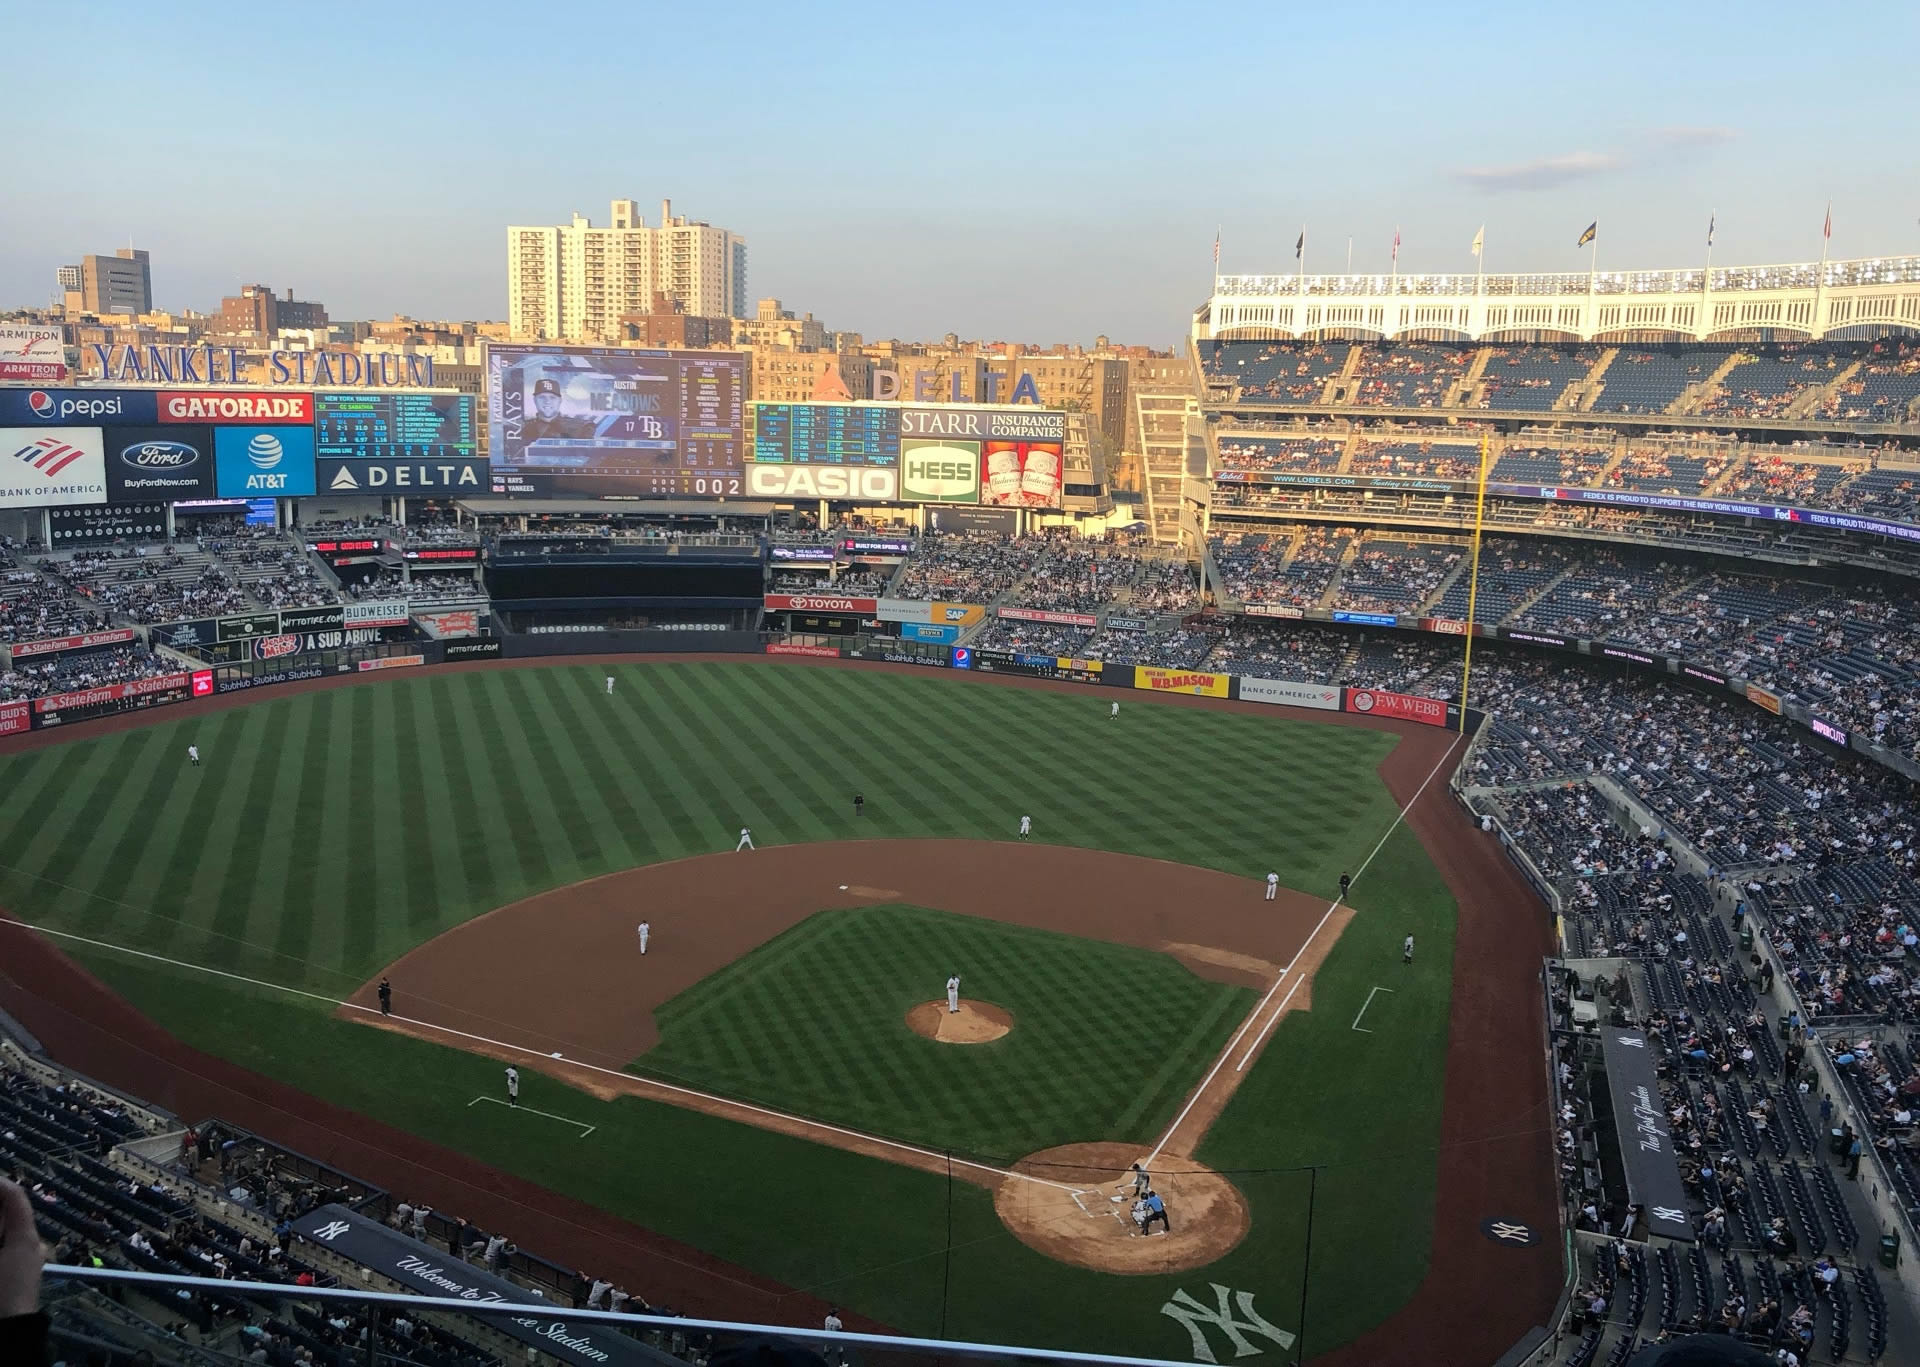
(381, 475)
(936, 471)
(788, 648)
(1197, 682)
(1324, 697)
(1378, 702)
(995, 521)
(99, 702)
(938, 613)
(59, 645)
(388, 612)
(926, 631)
(44, 467)
(77, 407)
(327, 618)
(846, 483)
(32, 354)
(1763, 698)
(1273, 610)
(164, 463)
(243, 406)
(102, 524)
(821, 602)
(263, 462)
(1020, 474)
(1041, 666)
(1065, 619)
(15, 717)
(473, 648)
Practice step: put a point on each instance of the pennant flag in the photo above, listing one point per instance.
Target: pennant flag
(1216, 246)
(1396, 244)
(1480, 239)
(1711, 220)
(1593, 231)
(1827, 231)
(1300, 247)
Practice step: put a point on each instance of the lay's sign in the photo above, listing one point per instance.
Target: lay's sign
(1181, 681)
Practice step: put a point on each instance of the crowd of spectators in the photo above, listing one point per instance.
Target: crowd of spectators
(1300, 652)
(1303, 455)
(968, 567)
(1453, 460)
(1259, 567)
(444, 585)
(1408, 374)
(1163, 586)
(147, 587)
(70, 673)
(1034, 638)
(1388, 575)
(34, 607)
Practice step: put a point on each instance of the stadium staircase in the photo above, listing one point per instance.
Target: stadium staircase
(1331, 594)
(1585, 393)
(1620, 448)
(1338, 385)
(1427, 604)
(1698, 393)
(1521, 608)
(1805, 404)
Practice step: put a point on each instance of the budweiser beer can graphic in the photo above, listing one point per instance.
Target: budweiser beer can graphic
(1003, 472)
(1040, 480)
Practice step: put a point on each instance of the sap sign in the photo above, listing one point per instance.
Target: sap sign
(263, 462)
(404, 476)
(859, 483)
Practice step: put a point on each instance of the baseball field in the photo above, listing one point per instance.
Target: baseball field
(765, 1098)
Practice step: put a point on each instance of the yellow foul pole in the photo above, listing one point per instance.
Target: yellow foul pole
(1473, 575)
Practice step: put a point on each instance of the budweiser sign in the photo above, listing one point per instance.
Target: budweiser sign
(56, 644)
(821, 602)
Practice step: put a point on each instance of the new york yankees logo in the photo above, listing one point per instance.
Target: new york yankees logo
(1192, 1313)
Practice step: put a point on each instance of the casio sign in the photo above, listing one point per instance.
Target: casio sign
(823, 481)
(160, 455)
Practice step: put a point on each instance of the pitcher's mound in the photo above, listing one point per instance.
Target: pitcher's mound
(973, 1023)
(1071, 1216)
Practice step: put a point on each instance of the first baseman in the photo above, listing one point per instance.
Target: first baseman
(1273, 886)
(746, 839)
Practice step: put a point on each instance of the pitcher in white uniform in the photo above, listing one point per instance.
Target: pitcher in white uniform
(953, 995)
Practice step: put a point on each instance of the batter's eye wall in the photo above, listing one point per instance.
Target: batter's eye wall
(520, 582)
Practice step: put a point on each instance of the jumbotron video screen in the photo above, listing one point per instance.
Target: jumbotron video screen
(600, 422)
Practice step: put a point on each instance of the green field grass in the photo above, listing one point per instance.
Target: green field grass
(327, 833)
(1107, 1038)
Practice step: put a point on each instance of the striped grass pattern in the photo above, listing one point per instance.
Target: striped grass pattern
(1106, 1037)
(327, 833)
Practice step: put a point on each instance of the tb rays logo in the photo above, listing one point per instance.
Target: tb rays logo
(1193, 1314)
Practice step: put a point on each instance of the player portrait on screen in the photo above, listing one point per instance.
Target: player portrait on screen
(547, 420)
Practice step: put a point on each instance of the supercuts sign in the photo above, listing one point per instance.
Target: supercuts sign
(821, 602)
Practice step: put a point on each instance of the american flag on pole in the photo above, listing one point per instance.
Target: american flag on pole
(1216, 246)
(1827, 231)
(1711, 220)
(1396, 244)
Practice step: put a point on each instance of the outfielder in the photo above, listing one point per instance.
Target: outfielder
(953, 995)
(1273, 886)
(746, 839)
(1406, 951)
(646, 928)
(1026, 827)
(513, 1085)
(1115, 714)
(193, 754)
(609, 685)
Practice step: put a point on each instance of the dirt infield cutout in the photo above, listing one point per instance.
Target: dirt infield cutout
(568, 995)
(1071, 1214)
(973, 1023)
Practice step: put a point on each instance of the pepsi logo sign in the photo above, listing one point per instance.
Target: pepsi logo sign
(41, 403)
(160, 455)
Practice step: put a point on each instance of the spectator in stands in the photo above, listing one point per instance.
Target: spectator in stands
(23, 1328)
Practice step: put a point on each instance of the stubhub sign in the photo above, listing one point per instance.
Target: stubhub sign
(263, 462)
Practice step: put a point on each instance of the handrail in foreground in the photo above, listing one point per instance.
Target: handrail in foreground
(548, 1310)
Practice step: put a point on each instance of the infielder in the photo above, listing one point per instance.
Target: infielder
(609, 685)
(953, 995)
(1026, 827)
(513, 1085)
(646, 928)
(746, 839)
(193, 754)
(1273, 886)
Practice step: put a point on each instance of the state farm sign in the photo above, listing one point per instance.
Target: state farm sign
(821, 602)
(233, 405)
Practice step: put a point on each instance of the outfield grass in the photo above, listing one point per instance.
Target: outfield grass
(1107, 1038)
(329, 832)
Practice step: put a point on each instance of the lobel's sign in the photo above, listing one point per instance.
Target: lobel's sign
(169, 364)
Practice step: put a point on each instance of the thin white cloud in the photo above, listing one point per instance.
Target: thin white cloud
(1682, 135)
(1543, 172)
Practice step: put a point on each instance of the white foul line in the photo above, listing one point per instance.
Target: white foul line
(585, 1129)
(1247, 1024)
(796, 1120)
(1363, 1008)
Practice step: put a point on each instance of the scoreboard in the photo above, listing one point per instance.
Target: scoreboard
(825, 434)
(385, 425)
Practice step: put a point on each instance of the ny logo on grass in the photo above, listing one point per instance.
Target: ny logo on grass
(1193, 1314)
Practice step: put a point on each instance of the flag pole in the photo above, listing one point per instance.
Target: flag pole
(1473, 576)
(1349, 254)
(1302, 254)
(1593, 274)
(1820, 281)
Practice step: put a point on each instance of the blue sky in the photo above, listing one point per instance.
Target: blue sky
(1039, 173)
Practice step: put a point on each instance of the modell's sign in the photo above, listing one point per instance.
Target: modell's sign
(821, 602)
(230, 406)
